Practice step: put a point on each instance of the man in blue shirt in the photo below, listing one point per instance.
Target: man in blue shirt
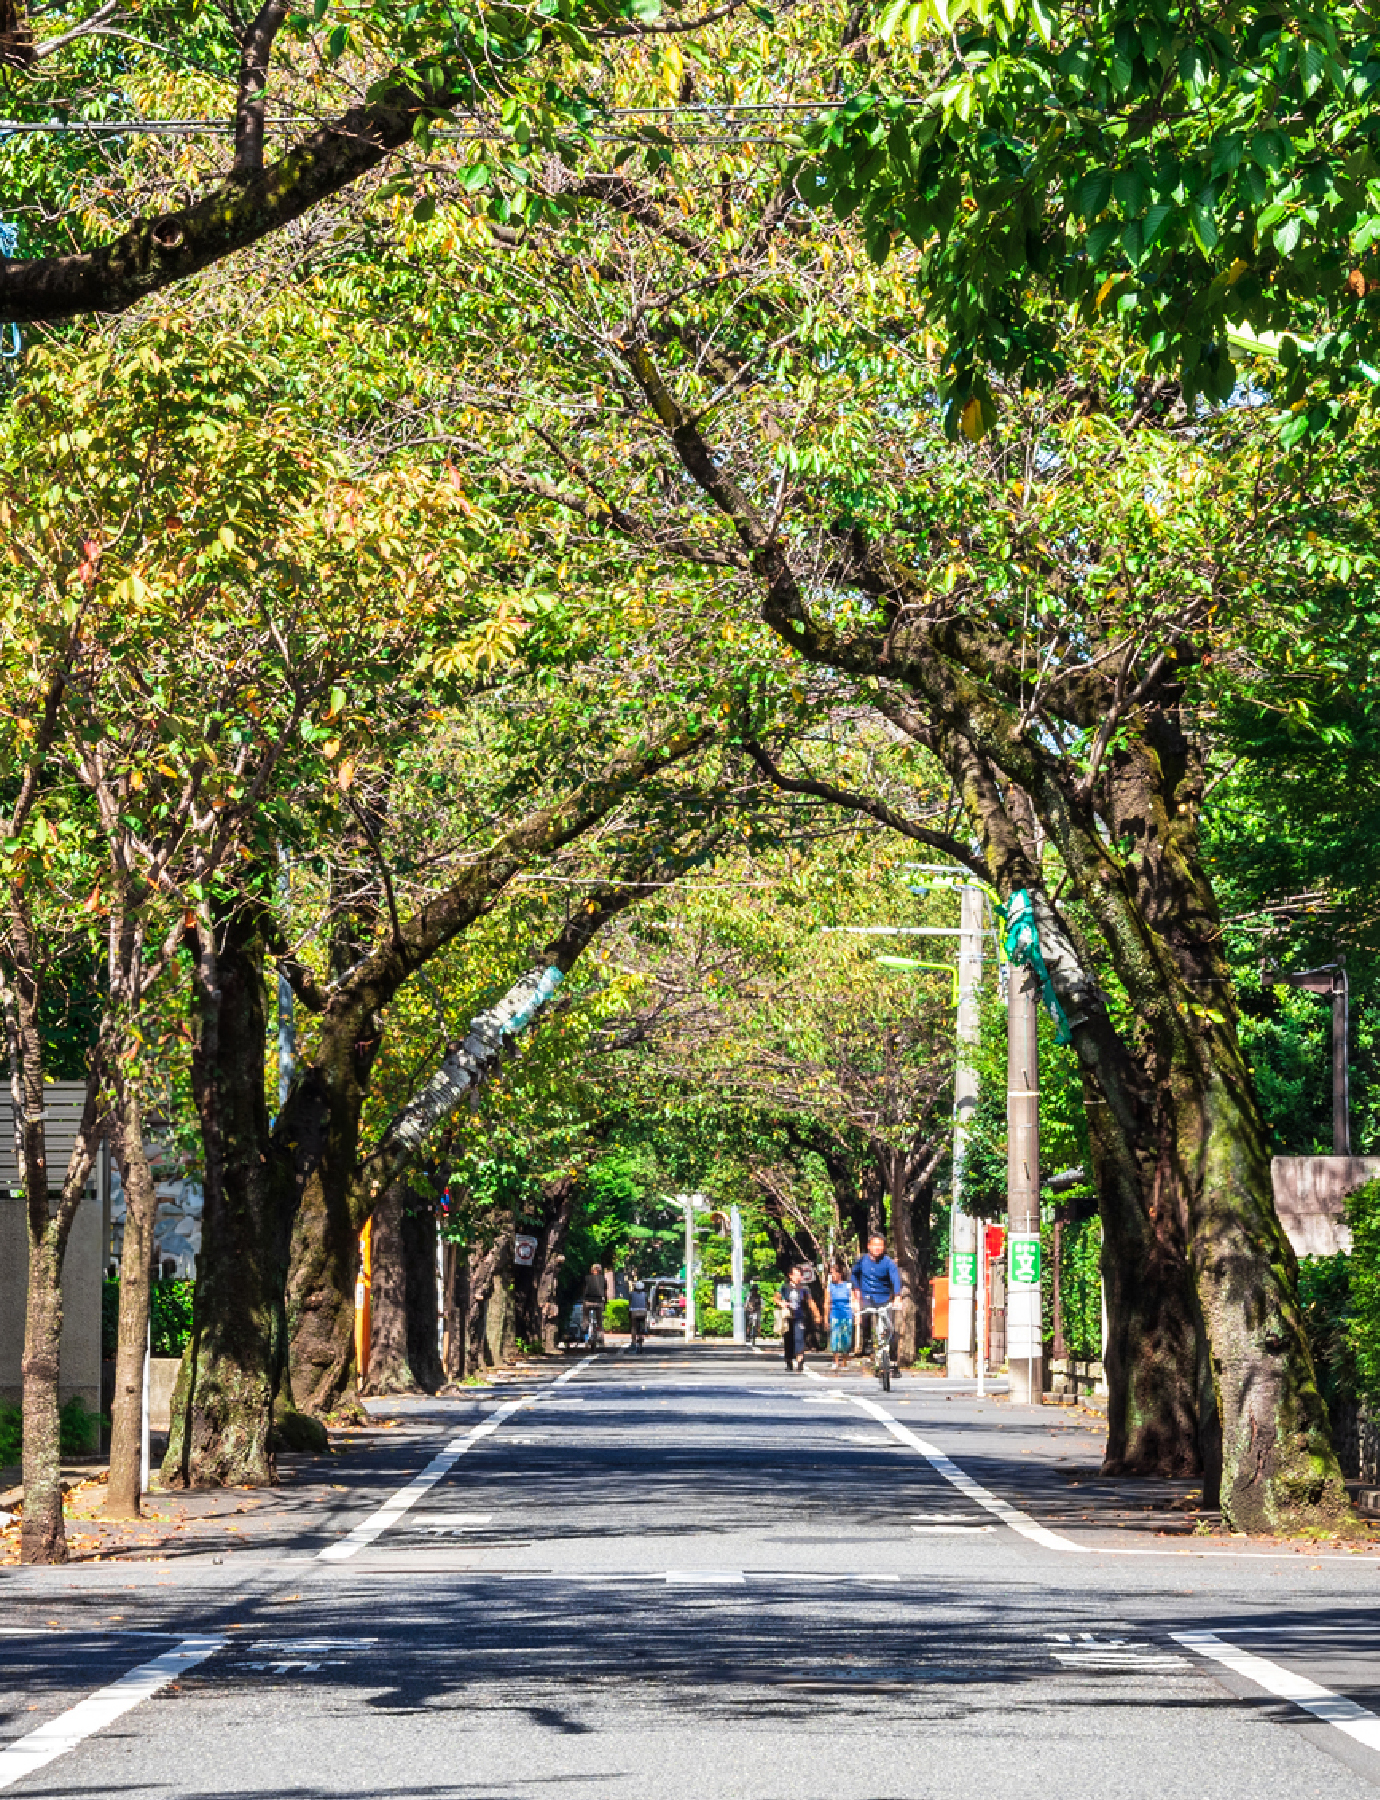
(876, 1279)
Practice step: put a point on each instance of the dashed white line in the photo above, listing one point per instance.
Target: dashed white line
(1333, 1709)
(65, 1732)
(436, 1470)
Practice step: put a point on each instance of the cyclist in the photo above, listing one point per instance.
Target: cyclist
(637, 1314)
(593, 1314)
(876, 1281)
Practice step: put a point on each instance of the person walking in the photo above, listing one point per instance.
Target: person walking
(754, 1313)
(840, 1312)
(797, 1305)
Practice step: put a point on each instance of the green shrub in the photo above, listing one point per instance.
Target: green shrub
(170, 1314)
(110, 1317)
(11, 1434)
(617, 1316)
(1080, 1286)
(79, 1431)
(710, 1322)
(1325, 1300)
(1363, 1215)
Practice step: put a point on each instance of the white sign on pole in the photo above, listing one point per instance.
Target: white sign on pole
(524, 1252)
(723, 1295)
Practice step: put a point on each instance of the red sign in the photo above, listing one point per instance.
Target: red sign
(996, 1241)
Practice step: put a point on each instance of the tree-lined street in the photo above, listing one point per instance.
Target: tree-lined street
(691, 1567)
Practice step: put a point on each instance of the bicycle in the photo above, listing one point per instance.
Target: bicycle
(881, 1344)
(592, 1321)
(637, 1323)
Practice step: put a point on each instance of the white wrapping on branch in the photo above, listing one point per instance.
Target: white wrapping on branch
(464, 1068)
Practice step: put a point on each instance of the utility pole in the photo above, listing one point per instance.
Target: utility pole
(735, 1225)
(962, 1230)
(1024, 1325)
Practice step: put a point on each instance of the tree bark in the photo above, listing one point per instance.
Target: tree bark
(456, 1305)
(390, 1371)
(122, 1498)
(43, 1537)
(550, 1262)
(222, 1430)
(486, 1267)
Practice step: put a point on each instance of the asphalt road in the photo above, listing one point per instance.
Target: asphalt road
(692, 1574)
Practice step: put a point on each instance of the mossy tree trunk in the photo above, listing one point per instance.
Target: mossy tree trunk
(232, 1370)
(390, 1370)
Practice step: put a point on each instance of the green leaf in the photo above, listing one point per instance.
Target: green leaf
(1092, 194)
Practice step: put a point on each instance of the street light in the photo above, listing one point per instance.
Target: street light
(1330, 981)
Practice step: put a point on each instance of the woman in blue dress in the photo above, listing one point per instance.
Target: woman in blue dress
(840, 1313)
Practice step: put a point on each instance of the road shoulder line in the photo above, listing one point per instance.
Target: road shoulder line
(64, 1733)
(440, 1466)
(1333, 1709)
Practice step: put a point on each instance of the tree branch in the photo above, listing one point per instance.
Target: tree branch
(255, 52)
(874, 809)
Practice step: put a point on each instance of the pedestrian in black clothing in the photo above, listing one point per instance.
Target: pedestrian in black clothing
(797, 1303)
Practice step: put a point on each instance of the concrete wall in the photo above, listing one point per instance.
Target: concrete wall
(81, 1301)
(1310, 1196)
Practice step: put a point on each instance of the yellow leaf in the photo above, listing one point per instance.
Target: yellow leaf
(672, 70)
(970, 420)
(1106, 289)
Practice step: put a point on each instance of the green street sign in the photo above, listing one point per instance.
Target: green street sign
(1025, 1261)
(964, 1269)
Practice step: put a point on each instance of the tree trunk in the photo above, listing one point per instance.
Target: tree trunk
(486, 1267)
(550, 1262)
(122, 1495)
(222, 1429)
(891, 1171)
(390, 1371)
(921, 1163)
(852, 1208)
(43, 1536)
(456, 1305)
(325, 1240)
(419, 1264)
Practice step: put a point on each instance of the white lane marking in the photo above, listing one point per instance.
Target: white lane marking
(1333, 1709)
(436, 1470)
(457, 1519)
(97, 1711)
(712, 1577)
(970, 1489)
(955, 1530)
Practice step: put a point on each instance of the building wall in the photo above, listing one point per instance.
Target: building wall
(1310, 1198)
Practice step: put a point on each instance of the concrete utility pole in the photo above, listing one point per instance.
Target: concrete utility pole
(689, 1272)
(735, 1225)
(962, 1231)
(1024, 1327)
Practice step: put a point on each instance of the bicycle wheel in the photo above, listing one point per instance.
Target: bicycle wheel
(885, 1373)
